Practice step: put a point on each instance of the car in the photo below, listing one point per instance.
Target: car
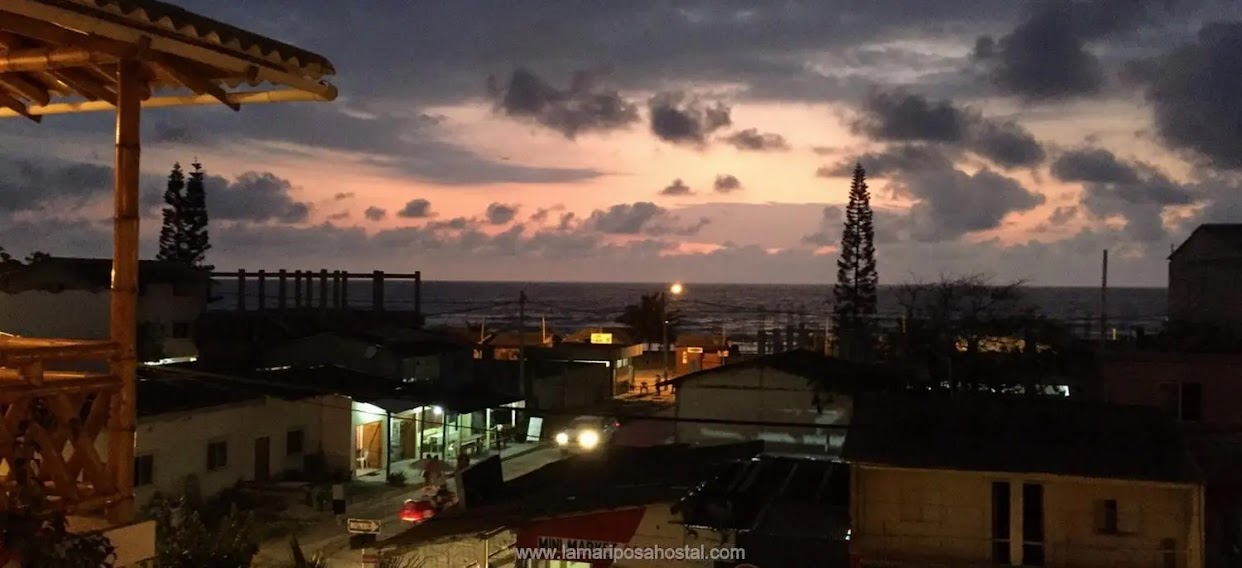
(586, 434)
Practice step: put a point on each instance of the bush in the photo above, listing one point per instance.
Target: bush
(396, 479)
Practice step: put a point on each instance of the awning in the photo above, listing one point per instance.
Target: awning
(61, 56)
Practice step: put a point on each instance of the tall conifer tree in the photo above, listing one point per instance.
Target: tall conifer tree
(854, 295)
(194, 219)
(174, 200)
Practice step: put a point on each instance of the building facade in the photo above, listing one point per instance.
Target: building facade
(68, 297)
(800, 388)
(1205, 278)
(941, 480)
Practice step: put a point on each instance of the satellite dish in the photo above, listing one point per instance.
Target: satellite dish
(370, 352)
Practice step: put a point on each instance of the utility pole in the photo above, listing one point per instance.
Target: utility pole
(528, 388)
(1103, 301)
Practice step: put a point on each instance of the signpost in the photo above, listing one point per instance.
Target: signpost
(601, 338)
(364, 526)
(370, 558)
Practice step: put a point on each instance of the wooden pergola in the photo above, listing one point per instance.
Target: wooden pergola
(70, 56)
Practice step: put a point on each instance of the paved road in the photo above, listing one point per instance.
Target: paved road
(641, 432)
(388, 511)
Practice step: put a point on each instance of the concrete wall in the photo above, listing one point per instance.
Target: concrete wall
(83, 314)
(1136, 378)
(758, 394)
(920, 517)
(178, 442)
(1205, 290)
(576, 385)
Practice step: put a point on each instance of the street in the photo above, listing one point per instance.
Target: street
(333, 539)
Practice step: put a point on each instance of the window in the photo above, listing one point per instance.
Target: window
(294, 440)
(144, 470)
(1192, 402)
(181, 330)
(217, 455)
(1106, 517)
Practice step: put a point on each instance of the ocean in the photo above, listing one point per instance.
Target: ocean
(738, 308)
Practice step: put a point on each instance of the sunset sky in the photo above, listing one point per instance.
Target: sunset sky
(705, 141)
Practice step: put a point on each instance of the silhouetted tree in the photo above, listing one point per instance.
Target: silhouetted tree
(171, 240)
(854, 295)
(37, 256)
(183, 236)
(647, 318)
(183, 540)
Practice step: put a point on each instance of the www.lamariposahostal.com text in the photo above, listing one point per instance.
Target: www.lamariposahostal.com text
(586, 553)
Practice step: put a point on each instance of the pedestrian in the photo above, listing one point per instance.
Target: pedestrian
(426, 469)
(643, 389)
(435, 470)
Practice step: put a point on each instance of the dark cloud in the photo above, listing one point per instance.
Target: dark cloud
(343, 195)
(1136, 191)
(899, 116)
(416, 209)
(1047, 55)
(339, 216)
(405, 144)
(500, 213)
(752, 139)
(454, 224)
(676, 188)
(726, 183)
(680, 119)
(374, 213)
(29, 184)
(892, 161)
(1196, 94)
(641, 218)
(952, 203)
(541, 215)
(578, 109)
(254, 196)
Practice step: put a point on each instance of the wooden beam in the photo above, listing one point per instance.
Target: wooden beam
(123, 302)
(251, 97)
(194, 82)
(26, 88)
(85, 85)
(17, 106)
(42, 59)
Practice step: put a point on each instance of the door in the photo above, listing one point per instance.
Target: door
(1032, 524)
(262, 458)
(1000, 523)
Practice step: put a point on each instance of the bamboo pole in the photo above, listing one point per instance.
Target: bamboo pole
(42, 59)
(251, 97)
(123, 302)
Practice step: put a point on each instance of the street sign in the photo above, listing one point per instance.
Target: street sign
(364, 526)
(601, 338)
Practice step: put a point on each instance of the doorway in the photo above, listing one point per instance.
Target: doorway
(262, 459)
(1032, 524)
(370, 445)
(1000, 523)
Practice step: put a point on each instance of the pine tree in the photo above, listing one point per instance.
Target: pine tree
(183, 237)
(855, 292)
(174, 200)
(194, 220)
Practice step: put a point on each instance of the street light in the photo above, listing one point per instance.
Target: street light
(675, 289)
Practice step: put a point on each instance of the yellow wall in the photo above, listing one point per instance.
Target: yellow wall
(921, 514)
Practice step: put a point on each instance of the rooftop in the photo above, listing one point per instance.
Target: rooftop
(998, 433)
(622, 477)
(1227, 238)
(812, 365)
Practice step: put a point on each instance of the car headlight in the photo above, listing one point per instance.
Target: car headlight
(562, 439)
(588, 439)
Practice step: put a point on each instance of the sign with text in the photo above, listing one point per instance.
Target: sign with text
(534, 429)
(694, 350)
(601, 338)
(364, 526)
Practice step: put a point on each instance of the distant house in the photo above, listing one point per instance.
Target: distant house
(694, 353)
(1205, 278)
(506, 345)
(1020, 481)
(616, 358)
(800, 388)
(68, 297)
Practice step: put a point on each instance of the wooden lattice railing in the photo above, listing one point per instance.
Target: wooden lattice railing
(50, 419)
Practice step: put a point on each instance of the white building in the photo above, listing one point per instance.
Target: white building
(68, 297)
(795, 387)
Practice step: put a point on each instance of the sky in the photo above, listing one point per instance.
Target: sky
(701, 141)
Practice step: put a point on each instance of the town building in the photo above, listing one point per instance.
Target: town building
(750, 401)
(406, 355)
(615, 360)
(623, 497)
(1205, 279)
(68, 297)
(694, 353)
(949, 480)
